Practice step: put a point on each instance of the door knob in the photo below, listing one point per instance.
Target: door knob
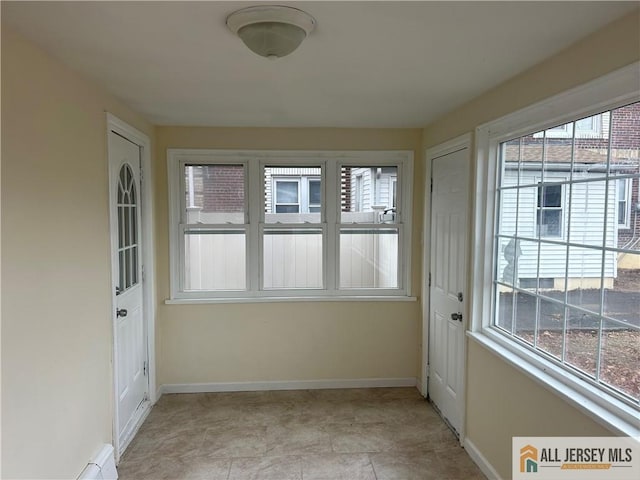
(456, 316)
(121, 312)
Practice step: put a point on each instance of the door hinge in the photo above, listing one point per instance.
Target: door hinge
(429, 278)
(432, 185)
(143, 273)
(144, 368)
(427, 370)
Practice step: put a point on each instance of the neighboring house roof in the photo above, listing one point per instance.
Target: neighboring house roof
(562, 154)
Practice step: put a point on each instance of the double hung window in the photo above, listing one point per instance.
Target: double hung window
(249, 224)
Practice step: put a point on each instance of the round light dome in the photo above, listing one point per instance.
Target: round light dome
(271, 31)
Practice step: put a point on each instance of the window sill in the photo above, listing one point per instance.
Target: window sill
(388, 298)
(616, 416)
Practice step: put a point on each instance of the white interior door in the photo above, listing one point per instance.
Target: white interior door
(130, 332)
(450, 174)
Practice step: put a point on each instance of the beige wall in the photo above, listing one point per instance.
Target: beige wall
(56, 299)
(612, 47)
(285, 341)
(502, 402)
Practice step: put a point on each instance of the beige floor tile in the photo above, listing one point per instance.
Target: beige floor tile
(266, 468)
(402, 466)
(362, 437)
(337, 467)
(170, 468)
(456, 464)
(235, 442)
(297, 439)
(356, 434)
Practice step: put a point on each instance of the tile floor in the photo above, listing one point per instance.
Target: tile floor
(360, 434)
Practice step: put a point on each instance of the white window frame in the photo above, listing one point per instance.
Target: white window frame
(275, 202)
(254, 162)
(561, 209)
(616, 89)
(627, 203)
(307, 198)
(304, 192)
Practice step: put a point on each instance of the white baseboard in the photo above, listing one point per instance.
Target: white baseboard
(480, 460)
(286, 385)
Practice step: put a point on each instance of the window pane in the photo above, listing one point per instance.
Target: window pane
(507, 218)
(121, 272)
(584, 278)
(581, 341)
(292, 194)
(505, 301)
(591, 147)
(214, 193)
(511, 162)
(550, 328)
(625, 140)
(286, 191)
(367, 194)
(527, 224)
(314, 192)
(369, 258)
(622, 292)
(292, 258)
(527, 265)
(552, 268)
(549, 223)
(531, 158)
(508, 261)
(525, 316)
(588, 212)
(620, 358)
(550, 196)
(215, 260)
(286, 209)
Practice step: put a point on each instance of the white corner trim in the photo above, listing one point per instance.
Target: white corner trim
(453, 145)
(480, 460)
(288, 385)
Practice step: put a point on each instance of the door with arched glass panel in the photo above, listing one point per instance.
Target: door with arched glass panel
(130, 336)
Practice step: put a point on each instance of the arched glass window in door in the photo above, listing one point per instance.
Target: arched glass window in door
(127, 230)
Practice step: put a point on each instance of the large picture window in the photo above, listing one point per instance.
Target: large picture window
(563, 301)
(574, 298)
(289, 224)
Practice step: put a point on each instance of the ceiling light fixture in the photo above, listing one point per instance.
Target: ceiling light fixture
(272, 31)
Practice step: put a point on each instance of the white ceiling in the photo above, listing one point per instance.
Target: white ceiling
(367, 64)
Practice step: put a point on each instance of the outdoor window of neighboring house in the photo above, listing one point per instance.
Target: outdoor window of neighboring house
(248, 224)
(624, 202)
(549, 210)
(564, 285)
(358, 194)
(296, 194)
(287, 196)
